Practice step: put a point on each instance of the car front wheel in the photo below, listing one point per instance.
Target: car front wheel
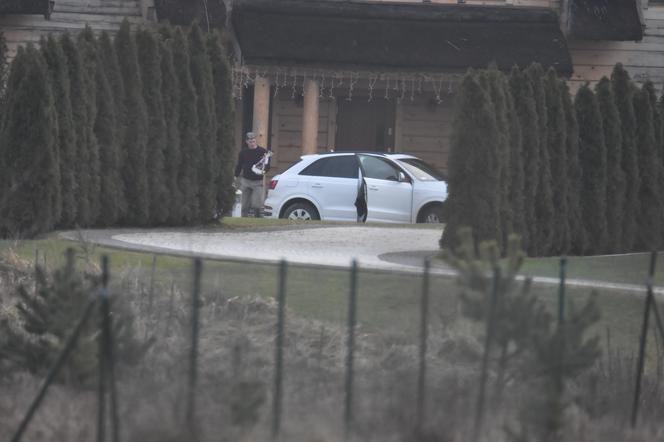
(301, 212)
(432, 215)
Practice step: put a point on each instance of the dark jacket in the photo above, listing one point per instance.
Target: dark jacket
(246, 159)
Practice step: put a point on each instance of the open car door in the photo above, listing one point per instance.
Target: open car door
(361, 202)
(389, 190)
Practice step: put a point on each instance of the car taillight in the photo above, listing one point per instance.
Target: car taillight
(273, 184)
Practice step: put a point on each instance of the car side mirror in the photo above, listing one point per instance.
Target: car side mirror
(402, 178)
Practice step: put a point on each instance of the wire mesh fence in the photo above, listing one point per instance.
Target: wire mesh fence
(251, 351)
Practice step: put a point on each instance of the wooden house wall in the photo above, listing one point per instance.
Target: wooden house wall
(423, 129)
(286, 129)
(644, 60)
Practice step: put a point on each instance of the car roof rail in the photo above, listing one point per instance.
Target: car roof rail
(372, 152)
(352, 152)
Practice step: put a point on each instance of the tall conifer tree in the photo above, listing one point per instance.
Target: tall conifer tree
(28, 138)
(105, 127)
(623, 95)
(557, 148)
(80, 118)
(135, 135)
(515, 166)
(526, 111)
(17, 71)
(226, 151)
(657, 118)
(658, 127)
(65, 145)
(660, 108)
(660, 150)
(650, 210)
(90, 55)
(497, 94)
(3, 61)
(544, 198)
(201, 74)
(171, 99)
(574, 172)
(4, 68)
(150, 65)
(113, 154)
(188, 127)
(615, 186)
(592, 154)
(473, 166)
(4, 65)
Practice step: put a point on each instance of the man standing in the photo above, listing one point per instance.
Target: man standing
(251, 183)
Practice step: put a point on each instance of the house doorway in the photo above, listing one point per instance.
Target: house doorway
(365, 125)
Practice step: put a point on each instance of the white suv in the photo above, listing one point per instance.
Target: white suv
(399, 188)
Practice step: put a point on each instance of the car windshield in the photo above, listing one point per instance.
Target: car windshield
(421, 170)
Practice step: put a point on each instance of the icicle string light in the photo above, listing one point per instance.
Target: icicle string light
(351, 84)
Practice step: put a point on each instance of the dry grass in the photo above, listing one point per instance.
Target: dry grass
(234, 394)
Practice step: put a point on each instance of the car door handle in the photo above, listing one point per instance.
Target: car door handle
(373, 187)
(317, 186)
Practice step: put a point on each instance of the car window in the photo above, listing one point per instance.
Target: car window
(421, 170)
(344, 166)
(379, 168)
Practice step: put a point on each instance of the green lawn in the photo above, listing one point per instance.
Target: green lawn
(628, 269)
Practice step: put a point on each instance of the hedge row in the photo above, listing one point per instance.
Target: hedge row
(582, 176)
(131, 131)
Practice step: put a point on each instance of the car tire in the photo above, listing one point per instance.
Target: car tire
(301, 212)
(432, 215)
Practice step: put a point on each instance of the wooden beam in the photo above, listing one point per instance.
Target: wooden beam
(331, 124)
(261, 110)
(398, 128)
(310, 117)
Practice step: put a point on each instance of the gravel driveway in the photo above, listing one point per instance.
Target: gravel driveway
(330, 246)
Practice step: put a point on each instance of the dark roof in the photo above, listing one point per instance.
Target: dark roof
(185, 12)
(606, 20)
(425, 36)
(25, 7)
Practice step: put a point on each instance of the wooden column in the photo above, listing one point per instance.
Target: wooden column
(398, 128)
(331, 125)
(310, 117)
(261, 119)
(238, 140)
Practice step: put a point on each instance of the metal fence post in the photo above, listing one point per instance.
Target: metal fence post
(108, 339)
(643, 338)
(151, 291)
(352, 311)
(193, 357)
(106, 361)
(424, 326)
(561, 290)
(101, 360)
(171, 302)
(279, 351)
(562, 333)
(36, 269)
